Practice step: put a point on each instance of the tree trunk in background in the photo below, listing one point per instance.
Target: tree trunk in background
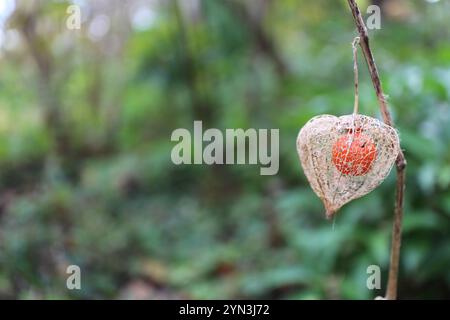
(52, 108)
(261, 39)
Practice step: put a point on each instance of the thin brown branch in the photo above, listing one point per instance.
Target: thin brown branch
(391, 291)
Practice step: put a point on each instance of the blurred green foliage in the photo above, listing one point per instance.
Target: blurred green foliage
(85, 170)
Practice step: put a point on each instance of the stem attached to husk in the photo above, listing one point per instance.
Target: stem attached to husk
(355, 70)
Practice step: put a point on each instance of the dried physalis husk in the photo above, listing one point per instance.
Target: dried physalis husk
(346, 157)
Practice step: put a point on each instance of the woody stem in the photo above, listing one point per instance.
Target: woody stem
(391, 291)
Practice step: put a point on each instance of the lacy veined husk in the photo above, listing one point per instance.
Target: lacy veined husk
(315, 148)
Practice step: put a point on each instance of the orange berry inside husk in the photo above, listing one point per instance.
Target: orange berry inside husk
(354, 153)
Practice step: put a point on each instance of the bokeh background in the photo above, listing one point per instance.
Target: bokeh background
(85, 172)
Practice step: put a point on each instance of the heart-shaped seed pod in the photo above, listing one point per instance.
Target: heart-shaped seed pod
(346, 157)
